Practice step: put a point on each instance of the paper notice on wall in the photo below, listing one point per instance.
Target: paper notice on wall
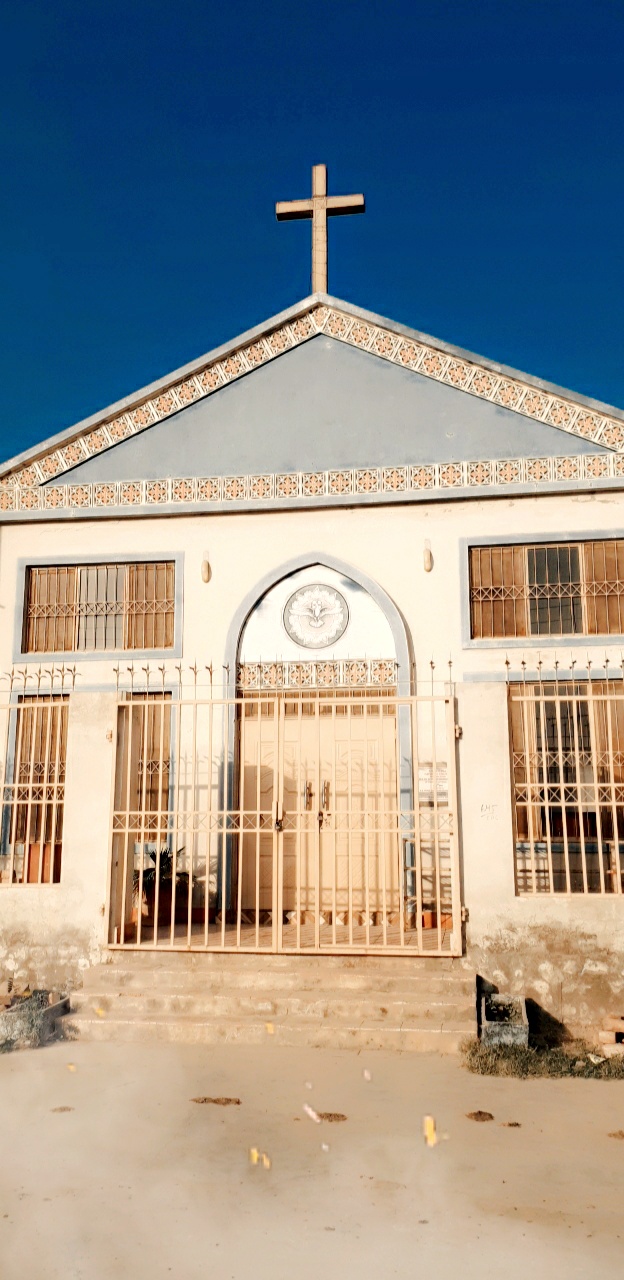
(426, 773)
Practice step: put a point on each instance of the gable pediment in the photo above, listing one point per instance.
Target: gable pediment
(324, 386)
(326, 404)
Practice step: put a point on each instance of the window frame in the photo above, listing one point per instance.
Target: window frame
(526, 538)
(25, 563)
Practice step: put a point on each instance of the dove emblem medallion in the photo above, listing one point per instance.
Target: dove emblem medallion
(316, 616)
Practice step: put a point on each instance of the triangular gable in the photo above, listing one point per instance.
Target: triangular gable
(573, 415)
(326, 404)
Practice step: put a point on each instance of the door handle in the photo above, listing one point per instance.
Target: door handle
(307, 795)
(325, 795)
(278, 816)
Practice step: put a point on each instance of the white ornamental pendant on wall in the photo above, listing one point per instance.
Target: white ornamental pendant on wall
(316, 616)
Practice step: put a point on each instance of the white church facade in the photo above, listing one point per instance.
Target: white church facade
(315, 647)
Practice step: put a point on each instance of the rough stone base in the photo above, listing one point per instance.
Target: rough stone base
(55, 963)
(566, 971)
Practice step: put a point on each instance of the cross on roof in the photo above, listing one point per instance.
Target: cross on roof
(319, 208)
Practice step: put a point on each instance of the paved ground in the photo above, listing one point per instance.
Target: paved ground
(138, 1181)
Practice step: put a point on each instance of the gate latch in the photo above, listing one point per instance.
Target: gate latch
(278, 820)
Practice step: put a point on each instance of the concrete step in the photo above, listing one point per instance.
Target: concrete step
(169, 958)
(337, 1005)
(411, 1003)
(294, 978)
(415, 1035)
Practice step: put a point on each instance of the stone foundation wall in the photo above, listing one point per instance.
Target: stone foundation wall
(571, 973)
(56, 962)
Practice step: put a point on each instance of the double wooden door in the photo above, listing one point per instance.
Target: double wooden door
(320, 862)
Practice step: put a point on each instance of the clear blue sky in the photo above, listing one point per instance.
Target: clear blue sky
(144, 143)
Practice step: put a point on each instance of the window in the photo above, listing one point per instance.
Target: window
(33, 792)
(567, 743)
(556, 589)
(99, 607)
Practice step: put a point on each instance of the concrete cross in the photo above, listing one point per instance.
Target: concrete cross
(319, 208)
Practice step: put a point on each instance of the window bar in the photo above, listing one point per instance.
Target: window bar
(366, 817)
(302, 819)
(212, 789)
(436, 821)
(400, 846)
(30, 712)
(19, 723)
(178, 721)
(240, 841)
(531, 759)
(416, 872)
(277, 861)
(159, 814)
(333, 808)
(317, 834)
(593, 746)
(143, 827)
(350, 827)
(237, 710)
(383, 822)
(546, 778)
(452, 819)
(225, 833)
(194, 812)
(43, 722)
(579, 784)
(615, 872)
(280, 864)
(258, 816)
(563, 793)
(57, 810)
(125, 713)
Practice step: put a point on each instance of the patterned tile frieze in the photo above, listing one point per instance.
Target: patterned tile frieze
(467, 376)
(348, 673)
(486, 476)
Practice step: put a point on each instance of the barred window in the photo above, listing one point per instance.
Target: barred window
(567, 742)
(554, 589)
(99, 607)
(33, 792)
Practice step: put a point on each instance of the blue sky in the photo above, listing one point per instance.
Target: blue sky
(144, 143)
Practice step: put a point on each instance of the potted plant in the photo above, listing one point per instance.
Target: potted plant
(161, 869)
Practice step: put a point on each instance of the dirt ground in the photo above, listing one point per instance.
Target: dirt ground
(108, 1168)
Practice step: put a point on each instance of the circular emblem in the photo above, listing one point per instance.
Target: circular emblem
(316, 616)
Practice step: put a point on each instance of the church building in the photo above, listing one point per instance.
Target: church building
(313, 649)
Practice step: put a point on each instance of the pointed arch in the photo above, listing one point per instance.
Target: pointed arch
(307, 561)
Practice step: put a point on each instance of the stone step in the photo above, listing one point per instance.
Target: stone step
(336, 1006)
(295, 978)
(151, 958)
(415, 1035)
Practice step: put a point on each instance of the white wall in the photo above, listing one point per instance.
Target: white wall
(387, 544)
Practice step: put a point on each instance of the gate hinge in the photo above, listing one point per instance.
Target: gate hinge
(465, 915)
(459, 733)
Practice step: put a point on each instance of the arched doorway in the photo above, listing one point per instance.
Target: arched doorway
(331, 853)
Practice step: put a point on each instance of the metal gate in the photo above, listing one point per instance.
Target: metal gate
(317, 820)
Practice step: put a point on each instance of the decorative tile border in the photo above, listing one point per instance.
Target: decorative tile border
(380, 673)
(484, 476)
(512, 393)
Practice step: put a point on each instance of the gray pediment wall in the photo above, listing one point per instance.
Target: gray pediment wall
(324, 405)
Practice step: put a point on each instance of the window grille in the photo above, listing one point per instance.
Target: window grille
(554, 589)
(33, 793)
(567, 744)
(99, 607)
